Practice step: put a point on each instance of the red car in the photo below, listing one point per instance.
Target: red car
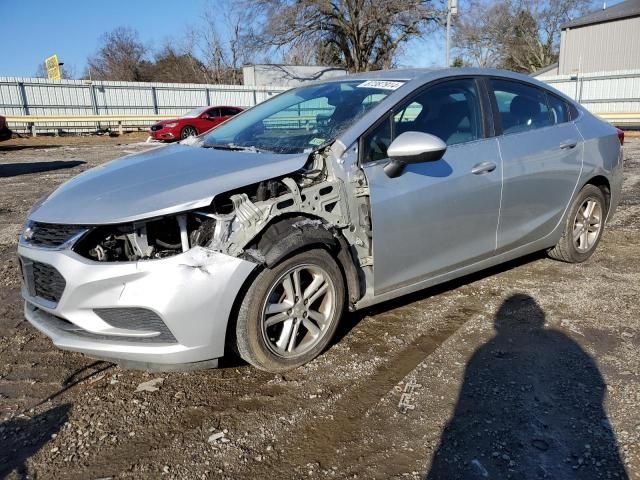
(194, 122)
(5, 133)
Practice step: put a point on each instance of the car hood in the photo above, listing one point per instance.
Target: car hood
(159, 182)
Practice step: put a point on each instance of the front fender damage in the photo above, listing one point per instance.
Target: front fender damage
(310, 207)
(266, 222)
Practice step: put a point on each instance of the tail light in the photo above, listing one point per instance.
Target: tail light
(620, 136)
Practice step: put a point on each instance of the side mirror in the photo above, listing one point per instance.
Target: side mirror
(413, 147)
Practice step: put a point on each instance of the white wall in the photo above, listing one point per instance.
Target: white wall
(602, 47)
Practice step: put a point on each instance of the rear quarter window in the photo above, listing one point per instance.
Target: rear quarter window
(558, 109)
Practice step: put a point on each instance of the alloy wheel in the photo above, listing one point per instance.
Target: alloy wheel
(188, 132)
(298, 310)
(587, 225)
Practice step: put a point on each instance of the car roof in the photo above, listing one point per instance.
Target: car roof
(409, 74)
(414, 79)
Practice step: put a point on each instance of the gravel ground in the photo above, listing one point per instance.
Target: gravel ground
(529, 370)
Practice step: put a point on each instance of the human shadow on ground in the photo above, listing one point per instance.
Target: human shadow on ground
(15, 169)
(22, 437)
(530, 407)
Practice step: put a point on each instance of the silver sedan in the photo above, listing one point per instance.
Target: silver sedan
(256, 237)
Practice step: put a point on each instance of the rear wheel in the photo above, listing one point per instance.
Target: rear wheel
(188, 131)
(291, 311)
(584, 227)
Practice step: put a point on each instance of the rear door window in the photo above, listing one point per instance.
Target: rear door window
(521, 107)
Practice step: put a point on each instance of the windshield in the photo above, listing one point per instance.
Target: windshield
(303, 119)
(196, 112)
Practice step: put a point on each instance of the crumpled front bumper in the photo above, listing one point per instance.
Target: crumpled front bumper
(192, 293)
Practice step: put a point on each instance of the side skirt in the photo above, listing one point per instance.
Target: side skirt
(370, 299)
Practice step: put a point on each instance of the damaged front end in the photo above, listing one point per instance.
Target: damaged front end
(167, 285)
(312, 200)
(229, 224)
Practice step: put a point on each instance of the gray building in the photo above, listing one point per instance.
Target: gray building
(287, 75)
(604, 41)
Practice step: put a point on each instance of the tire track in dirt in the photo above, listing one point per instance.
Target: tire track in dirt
(321, 439)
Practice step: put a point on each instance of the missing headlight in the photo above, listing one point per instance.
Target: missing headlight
(152, 239)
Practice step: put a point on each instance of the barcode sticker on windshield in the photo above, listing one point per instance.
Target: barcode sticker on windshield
(383, 84)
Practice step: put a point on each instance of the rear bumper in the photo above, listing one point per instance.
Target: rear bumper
(617, 177)
(192, 293)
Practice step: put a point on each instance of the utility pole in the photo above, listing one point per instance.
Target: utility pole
(452, 10)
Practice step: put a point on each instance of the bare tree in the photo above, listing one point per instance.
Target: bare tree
(478, 32)
(220, 40)
(121, 57)
(525, 49)
(173, 64)
(534, 37)
(520, 35)
(312, 52)
(365, 34)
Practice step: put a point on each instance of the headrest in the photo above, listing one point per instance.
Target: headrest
(524, 108)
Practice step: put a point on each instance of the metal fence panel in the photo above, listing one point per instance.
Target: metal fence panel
(603, 92)
(40, 96)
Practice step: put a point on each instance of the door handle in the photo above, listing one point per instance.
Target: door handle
(484, 167)
(568, 145)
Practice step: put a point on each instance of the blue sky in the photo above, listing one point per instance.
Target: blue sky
(32, 30)
(35, 29)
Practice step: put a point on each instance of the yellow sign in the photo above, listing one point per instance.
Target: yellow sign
(53, 68)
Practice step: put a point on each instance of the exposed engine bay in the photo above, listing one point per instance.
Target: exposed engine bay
(233, 221)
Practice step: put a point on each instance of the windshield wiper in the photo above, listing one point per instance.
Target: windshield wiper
(234, 147)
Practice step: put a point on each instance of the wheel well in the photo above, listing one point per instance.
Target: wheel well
(603, 184)
(286, 236)
(275, 234)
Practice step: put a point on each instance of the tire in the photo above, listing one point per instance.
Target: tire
(188, 131)
(271, 300)
(578, 250)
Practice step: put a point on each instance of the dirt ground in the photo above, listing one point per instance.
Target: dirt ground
(530, 370)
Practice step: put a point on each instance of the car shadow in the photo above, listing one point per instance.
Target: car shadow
(15, 148)
(351, 319)
(16, 169)
(22, 437)
(435, 169)
(530, 406)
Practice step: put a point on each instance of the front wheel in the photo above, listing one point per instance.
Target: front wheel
(188, 131)
(584, 227)
(290, 313)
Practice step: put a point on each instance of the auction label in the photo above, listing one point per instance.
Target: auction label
(383, 84)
